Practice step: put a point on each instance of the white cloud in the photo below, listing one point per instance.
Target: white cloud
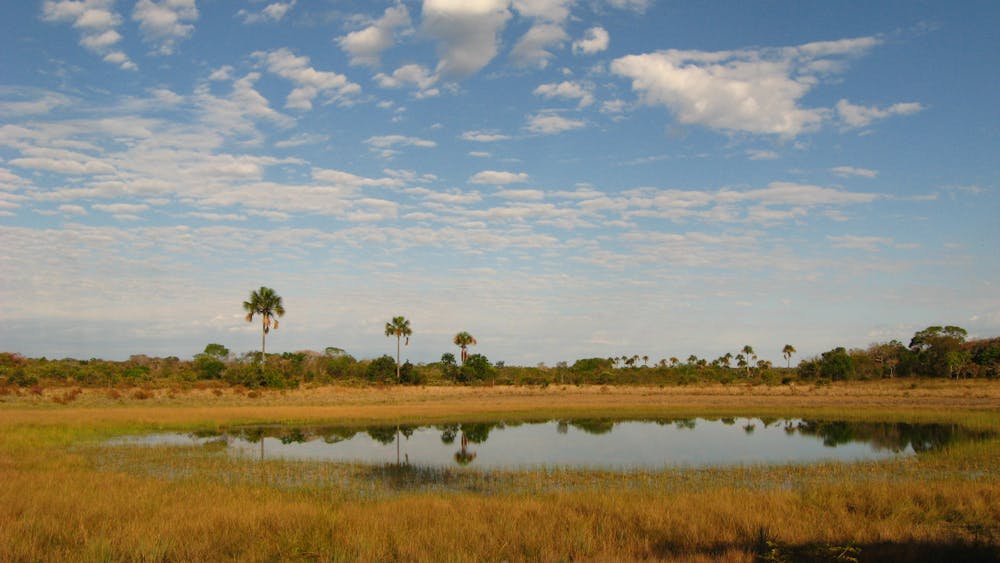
(309, 81)
(761, 154)
(594, 40)
(548, 123)
(302, 139)
(96, 21)
(165, 22)
(340, 178)
(754, 91)
(862, 116)
(521, 195)
(120, 208)
(410, 75)
(484, 136)
(552, 10)
(271, 13)
(237, 113)
(365, 46)
(848, 171)
(566, 90)
(533, 48)
(634, 5)
(69, 209)
(613, 106)
(35, 102)
(466, 31)
(222, 73)
(870, 244)
(386, 141)
(498, 178)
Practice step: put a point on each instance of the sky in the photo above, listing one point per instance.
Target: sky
(561, 178)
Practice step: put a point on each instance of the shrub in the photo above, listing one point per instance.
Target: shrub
(382, 369)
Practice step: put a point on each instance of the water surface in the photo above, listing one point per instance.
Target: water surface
(582, 443)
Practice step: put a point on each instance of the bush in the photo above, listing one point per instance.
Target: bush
(382, 370)
(253, 376)
(477, 367)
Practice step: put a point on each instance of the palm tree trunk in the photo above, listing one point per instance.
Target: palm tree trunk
(397, 358)
(263, 336)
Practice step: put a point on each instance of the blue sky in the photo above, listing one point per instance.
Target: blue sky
(561, 178)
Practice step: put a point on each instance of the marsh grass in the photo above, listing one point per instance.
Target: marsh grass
(65, 495)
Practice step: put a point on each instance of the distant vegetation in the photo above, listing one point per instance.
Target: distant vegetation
(939, 352)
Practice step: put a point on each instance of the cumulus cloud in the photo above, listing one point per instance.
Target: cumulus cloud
(594, 40)
(166, 22)
(309, 81)
(861, 116)
(752, 91)
(237, 113)
(271, 13)
(365, 46)
(498, 178)
(96, 21)
(533, 49)
(412, 75)
(566, 90)
(467, 33)
(550, 123)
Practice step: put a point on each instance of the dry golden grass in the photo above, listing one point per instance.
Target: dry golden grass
(63, 496)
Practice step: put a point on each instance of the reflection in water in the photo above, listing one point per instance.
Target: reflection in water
(588, 442)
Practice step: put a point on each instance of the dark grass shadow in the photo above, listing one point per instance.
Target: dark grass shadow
(897, 552)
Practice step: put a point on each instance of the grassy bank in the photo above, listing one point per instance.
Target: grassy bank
(64, 495)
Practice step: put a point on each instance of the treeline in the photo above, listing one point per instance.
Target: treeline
(933, 352)
(939, 352)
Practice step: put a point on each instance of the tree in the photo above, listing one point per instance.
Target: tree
(836, 365)
(463, 340)
(267, 304)
(750, 357)
(787, 352)
(398, 327)
(939, 350)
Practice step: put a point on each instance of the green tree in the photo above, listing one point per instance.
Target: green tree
(463, 340)
(381, 369)
(267, 304)
(788, 351)
(750, 357)
(939, 350)
(836, 365)
(398, 327)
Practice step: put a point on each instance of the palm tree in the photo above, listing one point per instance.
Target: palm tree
(399, 327)
(787, 351)
(750, 356)
(266, 303)
(463, 340)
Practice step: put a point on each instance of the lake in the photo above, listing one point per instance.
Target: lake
(580, 443)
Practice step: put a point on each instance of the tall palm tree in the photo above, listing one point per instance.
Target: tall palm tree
(463, 340)
(750, 357)
(267, 304)
(398, 327)
(788, 351)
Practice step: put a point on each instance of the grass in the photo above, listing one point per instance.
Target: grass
(63, 495)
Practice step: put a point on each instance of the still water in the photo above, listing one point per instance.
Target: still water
(589, 443)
